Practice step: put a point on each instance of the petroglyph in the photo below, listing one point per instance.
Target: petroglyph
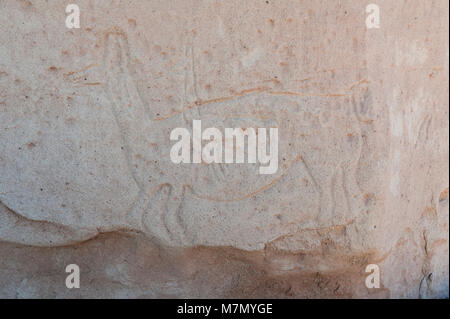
(304, 122)
(85, 122)
(300, 120)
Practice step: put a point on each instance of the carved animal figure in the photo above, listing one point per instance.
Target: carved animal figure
(318, 135)
(304, 122)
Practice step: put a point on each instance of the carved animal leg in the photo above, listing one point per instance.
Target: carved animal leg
(173, 216)
(327, 200)
(152, 214)
(162, 216)
(352, 191)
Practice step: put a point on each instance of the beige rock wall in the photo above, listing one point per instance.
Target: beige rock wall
(86, 176)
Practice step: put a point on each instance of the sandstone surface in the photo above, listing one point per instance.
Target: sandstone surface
(86, 177)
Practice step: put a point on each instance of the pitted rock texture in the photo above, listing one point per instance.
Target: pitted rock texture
(86, 176)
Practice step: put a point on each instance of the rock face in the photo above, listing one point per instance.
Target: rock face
(86, 176)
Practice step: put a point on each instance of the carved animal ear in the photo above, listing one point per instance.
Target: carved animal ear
(191, 94)
(116, 55)
(119, 78)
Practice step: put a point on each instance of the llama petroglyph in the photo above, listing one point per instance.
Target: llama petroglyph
(319, 145)
(304, 122)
